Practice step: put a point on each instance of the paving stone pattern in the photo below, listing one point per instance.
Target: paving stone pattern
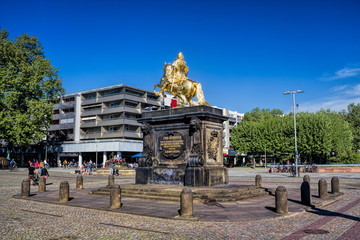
(253, 219)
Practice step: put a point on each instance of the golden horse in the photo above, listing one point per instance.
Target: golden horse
(183, 89)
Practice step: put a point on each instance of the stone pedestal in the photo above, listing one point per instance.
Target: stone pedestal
(182, 146)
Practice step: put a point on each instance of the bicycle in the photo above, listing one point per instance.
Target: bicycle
(13, 168)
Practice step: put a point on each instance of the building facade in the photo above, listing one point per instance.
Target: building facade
(98, 124)
(234, 119)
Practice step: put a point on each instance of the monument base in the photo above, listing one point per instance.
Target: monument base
(215, 176)
(182, 146)
(143, 175)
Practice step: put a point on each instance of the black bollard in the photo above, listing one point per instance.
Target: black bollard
(79, 182)
(322, 188)
(281, 199)
(186, 203)
(64, 192)
(42, 185)
(115, 196)
(258, 180)
(305, 193)
(335, 185)
(25, 188)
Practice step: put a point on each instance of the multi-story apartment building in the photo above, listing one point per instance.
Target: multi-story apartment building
(234, 119)
(95, 124)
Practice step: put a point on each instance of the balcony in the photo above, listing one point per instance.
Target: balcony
(90, 135)
(118, 121)
(153, 102)
(111, 98)
(56, 106)
(67, 126)
(56, 116)
(67, 115)
(117, 134)
(131, 134)
(113, 110)
(131, 121)
(135, 98)
(89, 124)
(54, 127)
(67, 104)
(91, 113)
(132, 110)
(89, 101)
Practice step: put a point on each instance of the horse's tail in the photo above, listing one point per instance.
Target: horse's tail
(200, 98)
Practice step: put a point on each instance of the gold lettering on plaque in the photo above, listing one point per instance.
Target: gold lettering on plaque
(172, 146)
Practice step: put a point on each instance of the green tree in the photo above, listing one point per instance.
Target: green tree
(28, 86)
(258, 114)
(262, 129)
(314, 136)
(353, 117)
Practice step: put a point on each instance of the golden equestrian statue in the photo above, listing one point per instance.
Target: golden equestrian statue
(176, 82)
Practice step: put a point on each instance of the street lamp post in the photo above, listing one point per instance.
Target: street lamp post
(295, 142)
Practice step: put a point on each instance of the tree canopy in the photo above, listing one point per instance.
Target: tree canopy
(321, 136)
(28, 86)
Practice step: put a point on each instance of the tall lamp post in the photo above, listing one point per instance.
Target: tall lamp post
(295, 142)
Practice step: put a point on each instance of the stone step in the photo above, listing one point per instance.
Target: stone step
(200, 194)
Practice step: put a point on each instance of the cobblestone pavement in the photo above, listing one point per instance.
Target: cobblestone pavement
(22, 219)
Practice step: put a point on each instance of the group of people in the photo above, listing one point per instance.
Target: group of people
(35, 169)
(85, 169)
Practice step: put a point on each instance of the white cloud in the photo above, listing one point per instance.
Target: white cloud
(342, 97)
(342, 73)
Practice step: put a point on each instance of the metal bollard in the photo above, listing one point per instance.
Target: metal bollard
(25, 188)
(186, 203)
(305, 193)
(322, 188)
(42, 185)
(281, 199)
(64, 192)
(306, 178)
(258, 180)
(79, 182)
(115, 196)
(111, 180)
(335, 185)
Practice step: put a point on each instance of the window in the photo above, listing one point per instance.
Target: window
(152, 97)
(56, 111)
(67, 110)
(92, 130)
(131, 104)
(130, 128)
(89, 96)
(111, 92)
(114, 129)
(111, 117)
(66, 120)
(92, 108)
(130, 116)
(114, 105)
(69, 99)
(134, 92)
(54, 122)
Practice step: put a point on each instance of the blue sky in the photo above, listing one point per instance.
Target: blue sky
(244, 53)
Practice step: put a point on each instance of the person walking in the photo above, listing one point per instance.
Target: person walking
(112, 166)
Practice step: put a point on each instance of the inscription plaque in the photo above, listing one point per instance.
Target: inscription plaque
(172, 145)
